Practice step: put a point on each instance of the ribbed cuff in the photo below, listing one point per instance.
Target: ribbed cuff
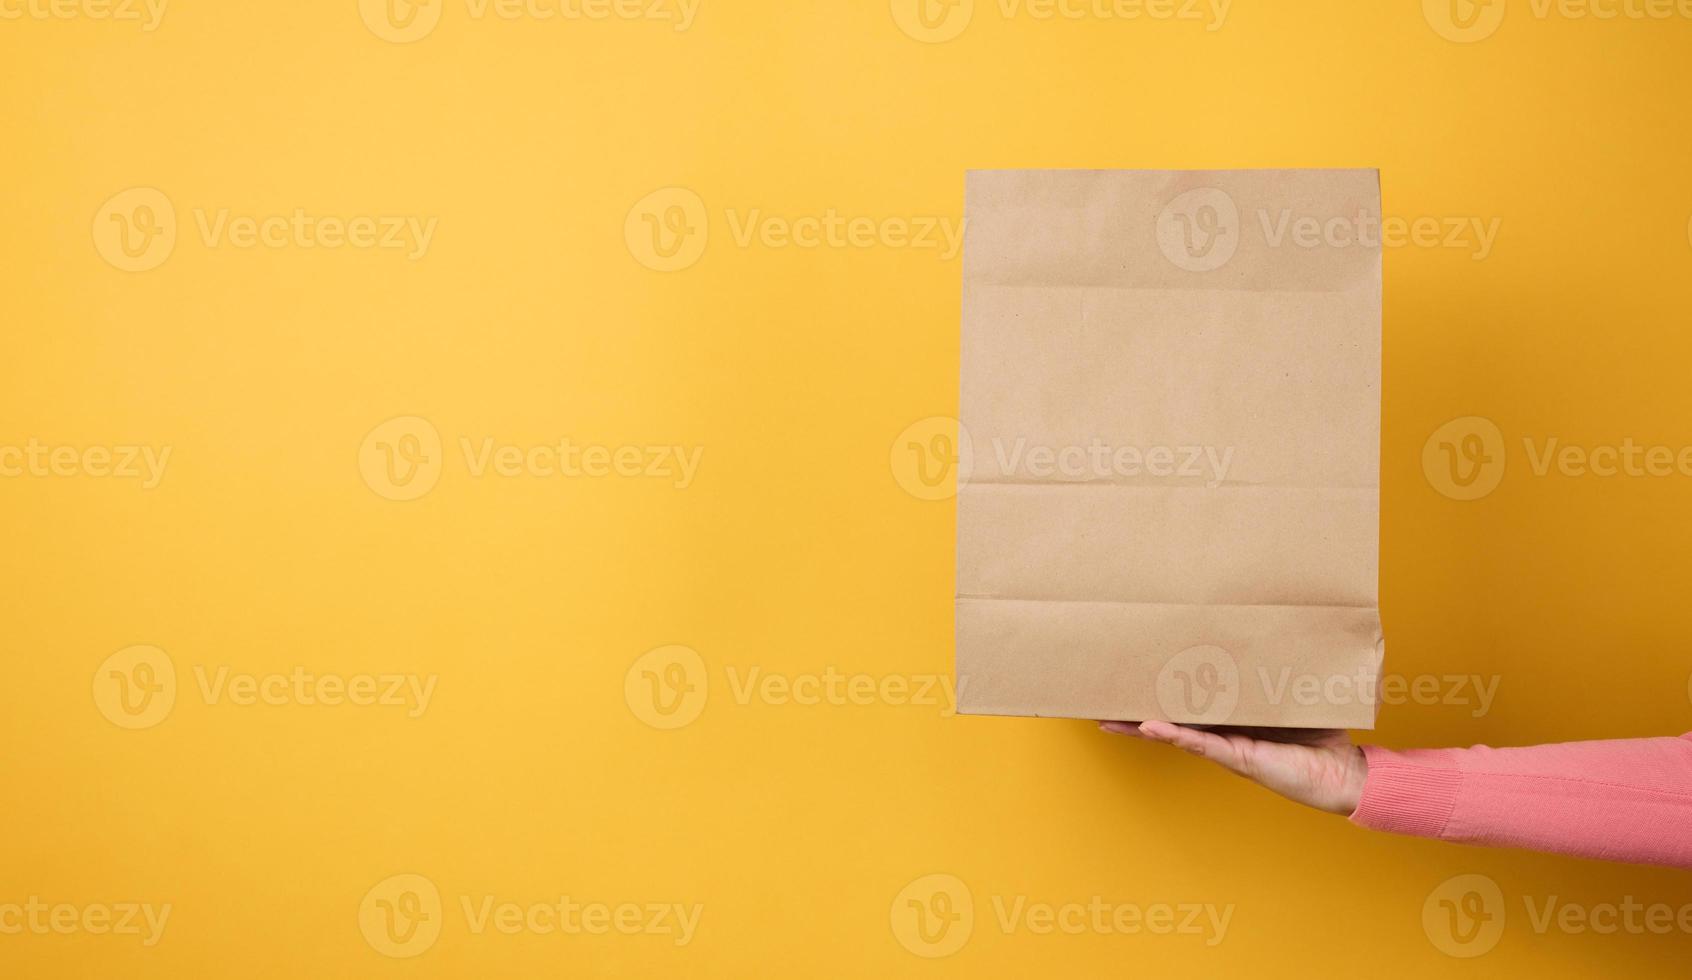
(1405, 797)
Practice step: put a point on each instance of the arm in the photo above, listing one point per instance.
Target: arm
(1614, 800)
(1617, 801)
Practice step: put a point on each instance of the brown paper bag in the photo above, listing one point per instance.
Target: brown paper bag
(1169, 453)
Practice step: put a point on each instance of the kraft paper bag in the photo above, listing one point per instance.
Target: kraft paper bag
(1168, 490)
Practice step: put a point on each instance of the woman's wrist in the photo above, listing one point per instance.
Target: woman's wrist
(1355, 778)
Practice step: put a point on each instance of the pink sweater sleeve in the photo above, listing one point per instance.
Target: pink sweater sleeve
(1616, 801)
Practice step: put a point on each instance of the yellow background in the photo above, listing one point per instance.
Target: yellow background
(795, 549)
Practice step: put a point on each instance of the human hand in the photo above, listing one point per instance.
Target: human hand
(1318, 767)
